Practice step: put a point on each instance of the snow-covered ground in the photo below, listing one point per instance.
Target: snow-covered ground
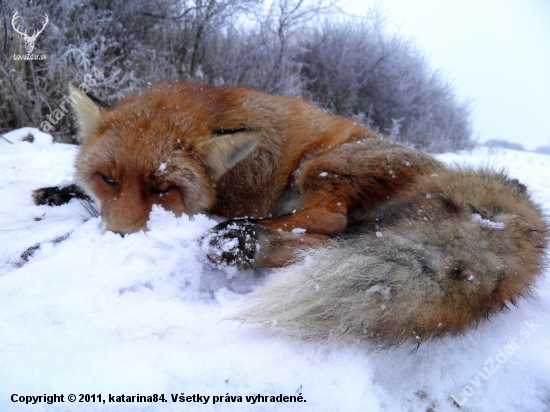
(101, 314)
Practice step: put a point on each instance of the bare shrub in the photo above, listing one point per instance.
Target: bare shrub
(351, 68)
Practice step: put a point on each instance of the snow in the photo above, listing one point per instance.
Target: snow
(145, 314)
(488, 223)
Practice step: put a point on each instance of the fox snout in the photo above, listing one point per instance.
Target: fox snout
(117, 219)
(125, 203)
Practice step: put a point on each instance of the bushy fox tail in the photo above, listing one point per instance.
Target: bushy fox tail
(439, 259)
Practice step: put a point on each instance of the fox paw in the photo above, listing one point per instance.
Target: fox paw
(56, 196)
(237, 243)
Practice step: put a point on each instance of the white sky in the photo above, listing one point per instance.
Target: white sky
(495, 52)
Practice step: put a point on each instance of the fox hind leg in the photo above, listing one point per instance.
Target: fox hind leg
(357, 175)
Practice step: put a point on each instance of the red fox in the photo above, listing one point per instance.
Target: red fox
(386, 244)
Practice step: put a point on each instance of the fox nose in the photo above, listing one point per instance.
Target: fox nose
(127, 231)
(126, 228)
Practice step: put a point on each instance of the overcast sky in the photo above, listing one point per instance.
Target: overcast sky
(495, 52)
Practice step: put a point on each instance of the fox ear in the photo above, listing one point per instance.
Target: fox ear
(88, 113)
(221, 153)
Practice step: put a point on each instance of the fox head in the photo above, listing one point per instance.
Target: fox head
(163, 146)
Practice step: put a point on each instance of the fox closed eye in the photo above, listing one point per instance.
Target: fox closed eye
(153, 190)
(161, 190)
(108, 180)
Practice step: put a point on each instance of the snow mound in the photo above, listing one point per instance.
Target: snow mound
(91, 312)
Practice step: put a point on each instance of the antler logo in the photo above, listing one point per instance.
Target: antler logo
(29, 40)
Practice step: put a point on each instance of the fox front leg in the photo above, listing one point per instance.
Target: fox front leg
(247, 244)
(58, 195)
